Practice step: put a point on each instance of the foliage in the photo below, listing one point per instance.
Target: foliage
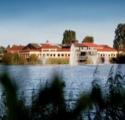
(16, 109)
(49, 104)
(58, 61)
(14, 58)
(69, 36)
(120, 59)
(7, 58)
(119, 41)
(2, 49)
(33, 59)
(88, 39)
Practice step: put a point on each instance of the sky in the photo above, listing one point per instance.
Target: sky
(36, 21)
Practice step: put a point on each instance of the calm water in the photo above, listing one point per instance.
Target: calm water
(77, 78)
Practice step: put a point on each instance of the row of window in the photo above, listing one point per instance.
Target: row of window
(85, 48)
(87, 53)
(49, 50)
(110, 55)
(54, 55)
(48, 55)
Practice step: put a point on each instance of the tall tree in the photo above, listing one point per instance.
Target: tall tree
(88, 39)
(33, 59)
(2, 49)
(119, 41)
(69, 36)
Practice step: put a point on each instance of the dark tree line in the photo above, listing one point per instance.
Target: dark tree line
(119, 41)
(69, 36)
(88, 39)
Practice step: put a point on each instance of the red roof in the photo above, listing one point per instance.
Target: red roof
(98, 47)
(86, 44)
(30, 50)
(15, 48)
(63, 49)
(49, 46)
(105, 48)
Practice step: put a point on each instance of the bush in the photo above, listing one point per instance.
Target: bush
(120, 59)
(14, 58)
(58, 61)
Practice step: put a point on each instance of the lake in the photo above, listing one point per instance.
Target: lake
(77, 78)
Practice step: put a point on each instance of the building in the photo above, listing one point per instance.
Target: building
(14, 49)
(30, 49)
(105, 51)
(91, 53)
(54, 51)
(45, 51)
(77, 53)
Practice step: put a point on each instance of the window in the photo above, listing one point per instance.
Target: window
(82, 53)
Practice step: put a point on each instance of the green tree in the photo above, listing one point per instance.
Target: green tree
(2, 49)
(16, 58)
(69, 36)
(119, 41)
(88, 39)
(22, 60)
(7, 58)
(33, 59)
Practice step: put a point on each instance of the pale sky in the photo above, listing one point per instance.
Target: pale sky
(26, 21)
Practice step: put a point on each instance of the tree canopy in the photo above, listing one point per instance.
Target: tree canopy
(88, 39)
(69, 36)
(2, 49)
(119, 41)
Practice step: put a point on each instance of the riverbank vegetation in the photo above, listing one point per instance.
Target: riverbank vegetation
(16, 59)
(10, 58)
(58, 61)
(50, 104)
(120, 59)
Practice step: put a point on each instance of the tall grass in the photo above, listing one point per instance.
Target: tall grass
(50, 104)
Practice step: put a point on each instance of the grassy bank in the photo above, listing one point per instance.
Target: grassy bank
(57, 61)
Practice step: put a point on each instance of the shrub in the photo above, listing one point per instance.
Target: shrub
(57, 61)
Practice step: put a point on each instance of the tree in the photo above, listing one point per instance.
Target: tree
(88, 39)
(33, 59)
(119, 41)
(7, 58)
(69, 36)
(16, 58)
(2, 49)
